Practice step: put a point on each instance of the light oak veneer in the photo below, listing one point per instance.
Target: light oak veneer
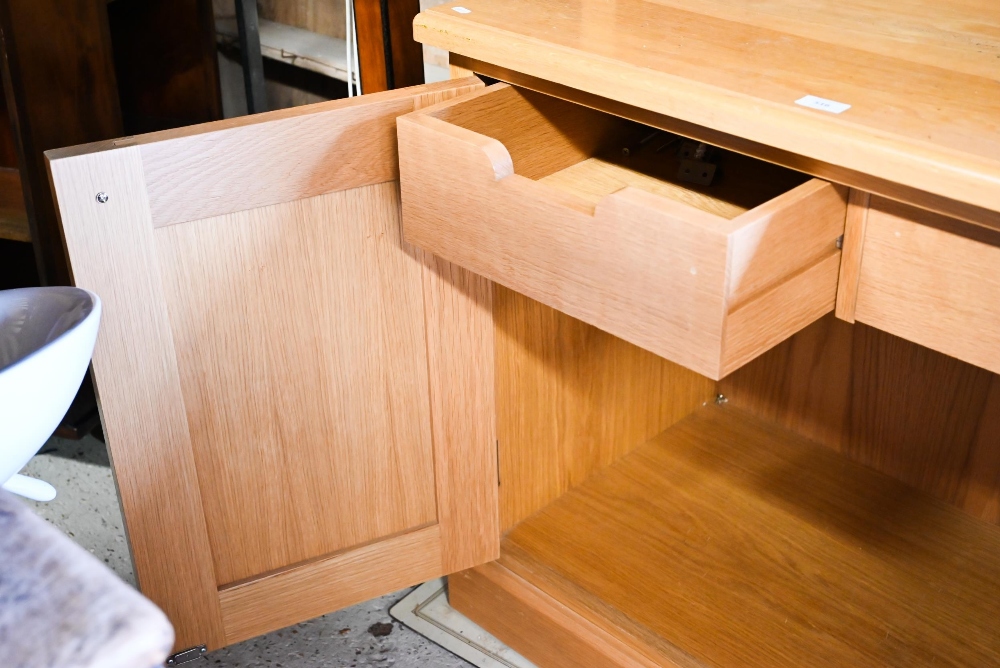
(927, 419)
(304, 410)
(541, 627)
(853, 249)
(298, 404)
(728, 541)
(112, 252)
(855, 178)
(493, 182)
(921, 76)
(572, 400)
(303, 362)
(931, 280)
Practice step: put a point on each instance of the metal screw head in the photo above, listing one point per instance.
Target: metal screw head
(721, 399)
(102, 197)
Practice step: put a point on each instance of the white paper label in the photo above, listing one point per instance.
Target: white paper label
(823, 104)
(462, 10)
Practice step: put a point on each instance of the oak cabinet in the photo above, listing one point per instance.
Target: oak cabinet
(450, 330)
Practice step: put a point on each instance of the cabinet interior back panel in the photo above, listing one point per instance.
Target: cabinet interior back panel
(915, 414)
(303, 362)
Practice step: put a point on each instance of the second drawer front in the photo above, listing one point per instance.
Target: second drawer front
(932, 280)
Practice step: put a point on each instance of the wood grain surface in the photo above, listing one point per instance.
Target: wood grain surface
(336, 581)
(544, 630)
(401, 63)
(790, 233)
(920, 77)
(855, 178)
(917, 415)
(288, 389)
(540, 134)
(460, 355)
(767, 320)
(215, 168)
(650, 269)
(930, 280)
(733, 542)
(458, 307)
(979, 489)
(594, 179)
(572, 400)
(113, 253)
(853, 249)
(303, 360)
(741, 183)
(325, 18)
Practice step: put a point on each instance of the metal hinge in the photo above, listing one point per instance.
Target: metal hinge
(187, 655)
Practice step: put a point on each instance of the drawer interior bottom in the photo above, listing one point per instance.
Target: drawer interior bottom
(739, 184)
(592, 154)
(736, 543)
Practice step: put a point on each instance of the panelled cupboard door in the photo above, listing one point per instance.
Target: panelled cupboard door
(298, 405)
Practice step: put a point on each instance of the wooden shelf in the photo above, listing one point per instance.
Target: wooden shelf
(295, 46)
(726, 541)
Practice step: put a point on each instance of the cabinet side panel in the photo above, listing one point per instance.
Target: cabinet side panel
(111, 252)
(922, 417)
(302, 353)
(572, 399)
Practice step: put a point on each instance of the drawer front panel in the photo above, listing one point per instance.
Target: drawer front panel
(932, 280)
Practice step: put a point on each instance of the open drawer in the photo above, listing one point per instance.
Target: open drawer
(584, 211)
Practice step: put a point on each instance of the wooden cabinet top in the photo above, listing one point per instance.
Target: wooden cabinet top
(922, 77)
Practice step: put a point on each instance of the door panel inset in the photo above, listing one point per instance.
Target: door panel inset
(299, 330)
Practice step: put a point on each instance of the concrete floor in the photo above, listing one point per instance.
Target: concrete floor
(87, 509)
